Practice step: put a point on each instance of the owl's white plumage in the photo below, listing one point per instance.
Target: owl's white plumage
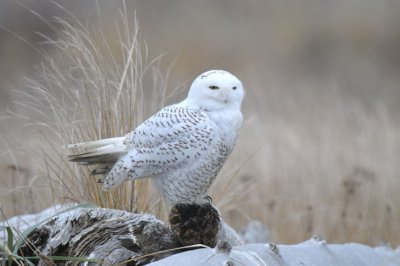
(182, 147)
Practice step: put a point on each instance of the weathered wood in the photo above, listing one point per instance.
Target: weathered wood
(115, 236)
(112, 236)
(201, 223)
(314, 252)
(195, 223)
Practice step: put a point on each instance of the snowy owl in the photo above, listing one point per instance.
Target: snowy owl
(182, 147)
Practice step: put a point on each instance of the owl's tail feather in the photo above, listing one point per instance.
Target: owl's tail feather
(95, 143)
(104, 152)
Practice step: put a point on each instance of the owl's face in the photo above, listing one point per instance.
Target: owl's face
(215, 90)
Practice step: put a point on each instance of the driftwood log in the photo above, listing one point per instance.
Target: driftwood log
(115, 236)
(314, 252)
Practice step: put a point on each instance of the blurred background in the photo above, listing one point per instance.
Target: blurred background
(320, 146)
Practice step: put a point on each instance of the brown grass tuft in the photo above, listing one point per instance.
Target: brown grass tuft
(95, 87)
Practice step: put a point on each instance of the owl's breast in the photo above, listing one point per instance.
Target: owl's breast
(214, 145)
(191, 182)
(227, 125)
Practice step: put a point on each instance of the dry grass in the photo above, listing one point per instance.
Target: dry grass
(332, 173)
(95, 89)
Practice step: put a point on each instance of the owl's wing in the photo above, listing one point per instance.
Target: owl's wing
(170, 139)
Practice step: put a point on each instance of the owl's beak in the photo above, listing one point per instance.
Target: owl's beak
(224, 95)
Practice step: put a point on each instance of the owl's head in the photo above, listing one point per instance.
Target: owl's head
(215, 90)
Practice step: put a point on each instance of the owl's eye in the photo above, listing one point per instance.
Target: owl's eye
(213, 87)
(234, 88)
